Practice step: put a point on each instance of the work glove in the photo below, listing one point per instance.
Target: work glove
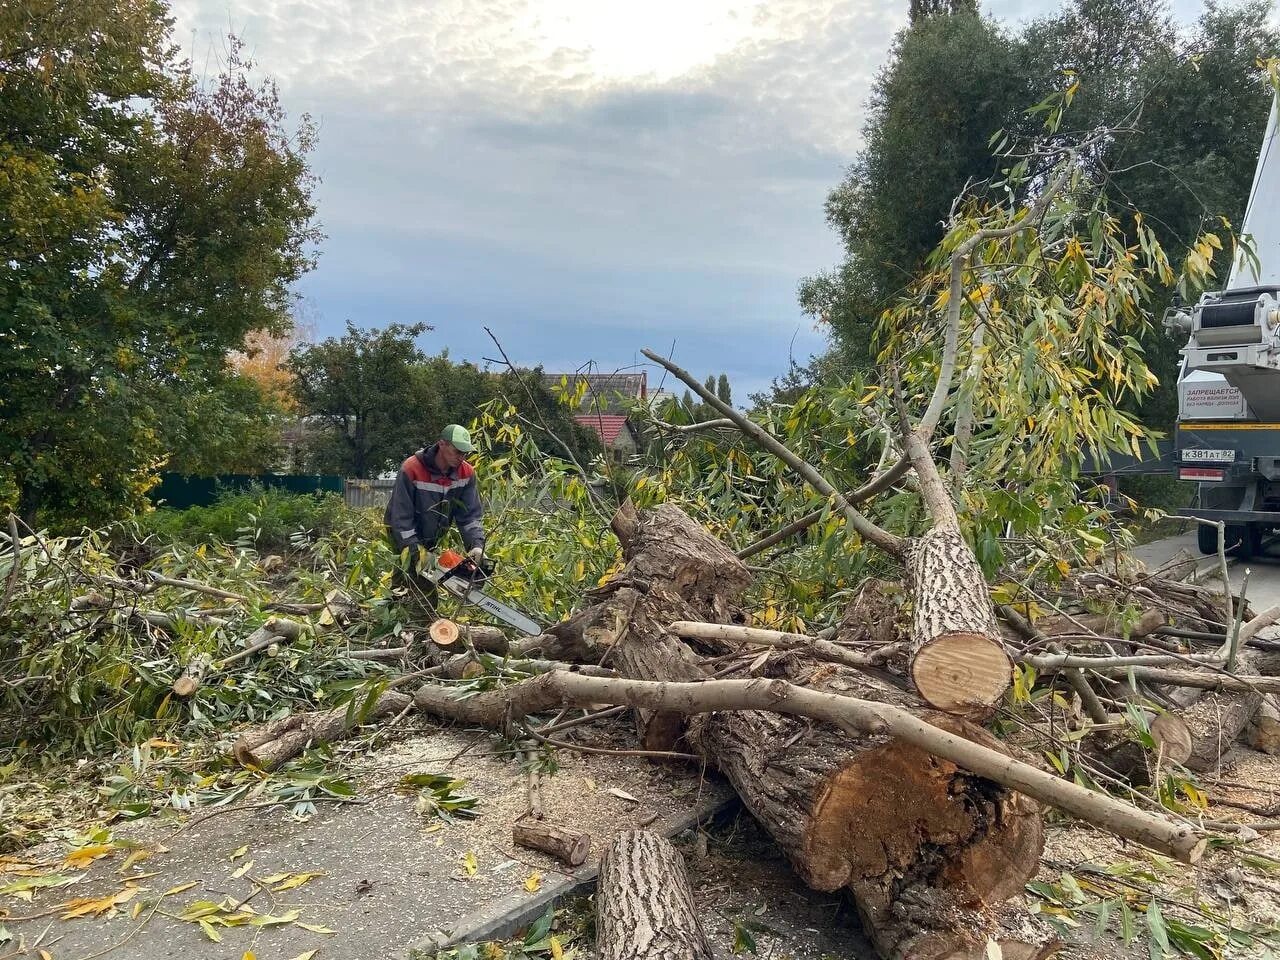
(475, 555)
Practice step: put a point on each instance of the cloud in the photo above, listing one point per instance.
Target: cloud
(587, 175)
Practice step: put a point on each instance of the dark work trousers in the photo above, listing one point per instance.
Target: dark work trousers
(420, 592)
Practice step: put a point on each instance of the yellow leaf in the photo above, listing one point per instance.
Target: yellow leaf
(533, 882)
(97, 906)
(137, 909)
(275, 878)
(297, 880)
(248, 955)
(136, 857)
(315, 928)
(240, 853)
(242, 870)
(180, 887)
(306, 956)
(86, 855)
(46, 955)
(469, 863)
(210, 931)
(557, 951)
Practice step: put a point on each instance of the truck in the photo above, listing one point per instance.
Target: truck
(1227, 436)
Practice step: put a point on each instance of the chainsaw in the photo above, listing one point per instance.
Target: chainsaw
(464, 578)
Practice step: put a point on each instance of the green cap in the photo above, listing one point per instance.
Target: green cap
(458, 436)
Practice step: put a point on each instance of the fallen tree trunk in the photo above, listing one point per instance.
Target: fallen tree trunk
(644, 905)
(270, 746)
(1219, 717)
(1263, 732)
(852, 715)
(891, 825)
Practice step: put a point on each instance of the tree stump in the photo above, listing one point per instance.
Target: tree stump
(644, 905)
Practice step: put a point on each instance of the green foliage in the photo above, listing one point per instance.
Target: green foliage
(1189, 108)
(1151, 904)
(360, 386)
(379, 398)
(261, 519)
(147, 224)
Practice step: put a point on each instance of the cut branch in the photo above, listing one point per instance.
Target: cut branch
(815, 647)
(493, 708)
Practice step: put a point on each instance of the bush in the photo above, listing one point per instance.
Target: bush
(264, 519)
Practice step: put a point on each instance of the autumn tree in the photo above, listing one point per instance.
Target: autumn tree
(148, 223)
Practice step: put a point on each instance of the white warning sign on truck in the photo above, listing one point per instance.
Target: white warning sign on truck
(1208, 396)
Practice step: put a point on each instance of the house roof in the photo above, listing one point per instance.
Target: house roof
(607, 425)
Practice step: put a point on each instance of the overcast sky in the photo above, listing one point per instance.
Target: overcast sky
(585, 177)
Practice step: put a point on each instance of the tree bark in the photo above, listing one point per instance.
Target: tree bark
(568, 846)
(644, 905)
(1263, 732)
(273, 744)
(959, 663)
(903, 812)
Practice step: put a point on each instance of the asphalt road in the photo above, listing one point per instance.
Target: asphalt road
(1264, 570)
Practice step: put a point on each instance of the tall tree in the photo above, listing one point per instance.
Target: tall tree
(147, 224)
(722, 389)
(362, 396)
(920, 9)
(951, 82)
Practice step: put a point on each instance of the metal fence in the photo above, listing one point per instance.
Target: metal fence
(181, 491)
(368, 493)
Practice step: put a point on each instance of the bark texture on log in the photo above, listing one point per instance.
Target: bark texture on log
(644, 905)
(675, 570)
(1126, 757)
(1263, 732)
(959, 663)
(273, 744)
(568, 846)
(1217, 719)
(884, 819)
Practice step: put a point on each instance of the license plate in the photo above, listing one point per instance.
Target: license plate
(1208, 456)
(1201, 473)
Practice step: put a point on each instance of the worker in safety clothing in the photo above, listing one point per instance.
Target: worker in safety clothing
(434, 488)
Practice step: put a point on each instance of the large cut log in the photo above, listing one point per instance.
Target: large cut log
(897, 810)
(851, 715)
(959, 663)
(885, 819)
(644, 905)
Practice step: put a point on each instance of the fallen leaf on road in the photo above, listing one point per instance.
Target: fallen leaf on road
(469, 863)
(136, 857)
(241, 870)
(315, 928)
(240, 853)
(97, 906)
(306, 956)
(22, 889)
(623, 795)
(180, 887)
(81, 858)
(296, 880)
(533, 882)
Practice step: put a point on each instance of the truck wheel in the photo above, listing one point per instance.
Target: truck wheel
(1207, 538)
(1253, 539)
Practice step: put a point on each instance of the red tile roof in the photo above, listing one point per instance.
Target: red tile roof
(607, 425)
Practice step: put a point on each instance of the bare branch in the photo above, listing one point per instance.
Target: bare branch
(865, 527)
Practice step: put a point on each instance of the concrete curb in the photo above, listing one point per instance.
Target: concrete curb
(502, 919)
